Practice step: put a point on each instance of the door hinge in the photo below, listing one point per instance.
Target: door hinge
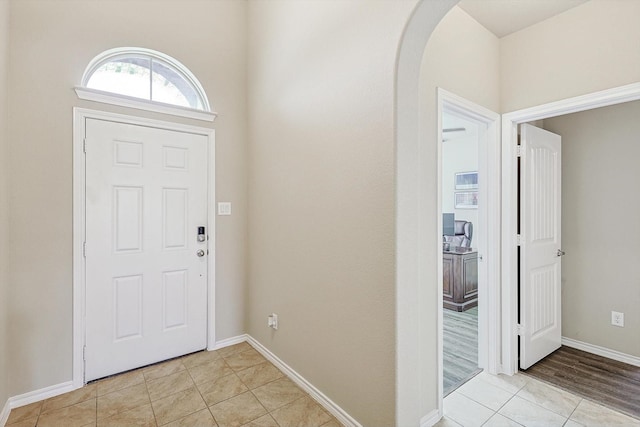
(518, 150)
(520, 329)
(84, 353)
(84, 249)
(518, 240)
(84, 145)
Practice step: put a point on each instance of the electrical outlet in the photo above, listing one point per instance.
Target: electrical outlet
(617, 319)
(272, 321)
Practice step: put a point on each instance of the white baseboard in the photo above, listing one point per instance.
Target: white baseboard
(34, 396)
(43, 393)
(229, 341)
(431, 418)
(320, 397)
(602, 351)
(4, 415)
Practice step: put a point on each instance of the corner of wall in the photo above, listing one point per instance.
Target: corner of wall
(4, 371)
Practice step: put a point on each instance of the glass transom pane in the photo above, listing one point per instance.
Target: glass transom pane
(124, 77)
(146, 77)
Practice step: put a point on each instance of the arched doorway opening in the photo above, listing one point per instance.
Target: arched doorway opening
(416, 253)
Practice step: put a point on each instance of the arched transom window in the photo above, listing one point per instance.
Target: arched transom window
(147, 75)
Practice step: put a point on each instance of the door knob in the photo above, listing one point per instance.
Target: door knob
(560, 252)
(200, 253)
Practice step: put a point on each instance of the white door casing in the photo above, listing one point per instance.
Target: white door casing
(146, 286)
(540, 216)
(489, 337)
(510, 123)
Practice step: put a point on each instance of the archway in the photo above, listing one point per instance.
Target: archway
(416, 254)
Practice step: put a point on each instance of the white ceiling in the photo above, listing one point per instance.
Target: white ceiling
(503, 17)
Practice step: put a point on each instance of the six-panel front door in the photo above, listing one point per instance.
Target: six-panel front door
(540, 216)
(146, 270)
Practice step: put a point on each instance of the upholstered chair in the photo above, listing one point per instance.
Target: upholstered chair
(463, 233)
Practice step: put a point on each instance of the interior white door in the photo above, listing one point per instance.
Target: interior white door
(146, 281)
(540, 249)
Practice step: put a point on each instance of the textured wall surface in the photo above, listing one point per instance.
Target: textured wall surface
(4, 208)
(321, 191)
(586, 49)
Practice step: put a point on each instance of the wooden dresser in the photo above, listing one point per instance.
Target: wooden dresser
(459, 279)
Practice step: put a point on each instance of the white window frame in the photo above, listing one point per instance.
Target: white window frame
(83, 92)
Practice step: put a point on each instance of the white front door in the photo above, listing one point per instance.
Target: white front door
(540, 235)
(146, 270)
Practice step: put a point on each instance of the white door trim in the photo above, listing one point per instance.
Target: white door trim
(510, 122)
(489, 344)
(79, 179)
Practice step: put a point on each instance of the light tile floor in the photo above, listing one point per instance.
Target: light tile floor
(501, 400)
(234, 386)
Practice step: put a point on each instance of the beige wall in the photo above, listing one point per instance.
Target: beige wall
(462, 57)
(588, 48)
(51, 43)
(321, 191)
(600, 230)
(4, 210)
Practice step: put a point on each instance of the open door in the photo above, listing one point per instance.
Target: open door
(540, 244)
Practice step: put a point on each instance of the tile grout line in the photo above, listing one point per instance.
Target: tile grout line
(262, 385)
(574, 410)
(305, 393)
(233, 372)
(551, 410)
(42, 404)
(255, 388)
(199, 392)
(146, 385)
(513, 394)
(263, 407)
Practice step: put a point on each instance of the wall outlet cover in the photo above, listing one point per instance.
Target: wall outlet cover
(617, 319)
(273, 321)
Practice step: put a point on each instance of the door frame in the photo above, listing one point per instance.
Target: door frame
(489, 345)
(510, 122)
(80, 115)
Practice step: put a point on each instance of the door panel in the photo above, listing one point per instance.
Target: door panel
(540, 292)
(127, 306)
(174, 218)
(447, 277)
(470, 273)
(174, 298)
(146, 287)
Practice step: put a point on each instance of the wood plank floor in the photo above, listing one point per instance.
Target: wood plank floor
(460, 347)
(609, 382)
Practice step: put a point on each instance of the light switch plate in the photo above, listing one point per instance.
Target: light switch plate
(224, 208)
